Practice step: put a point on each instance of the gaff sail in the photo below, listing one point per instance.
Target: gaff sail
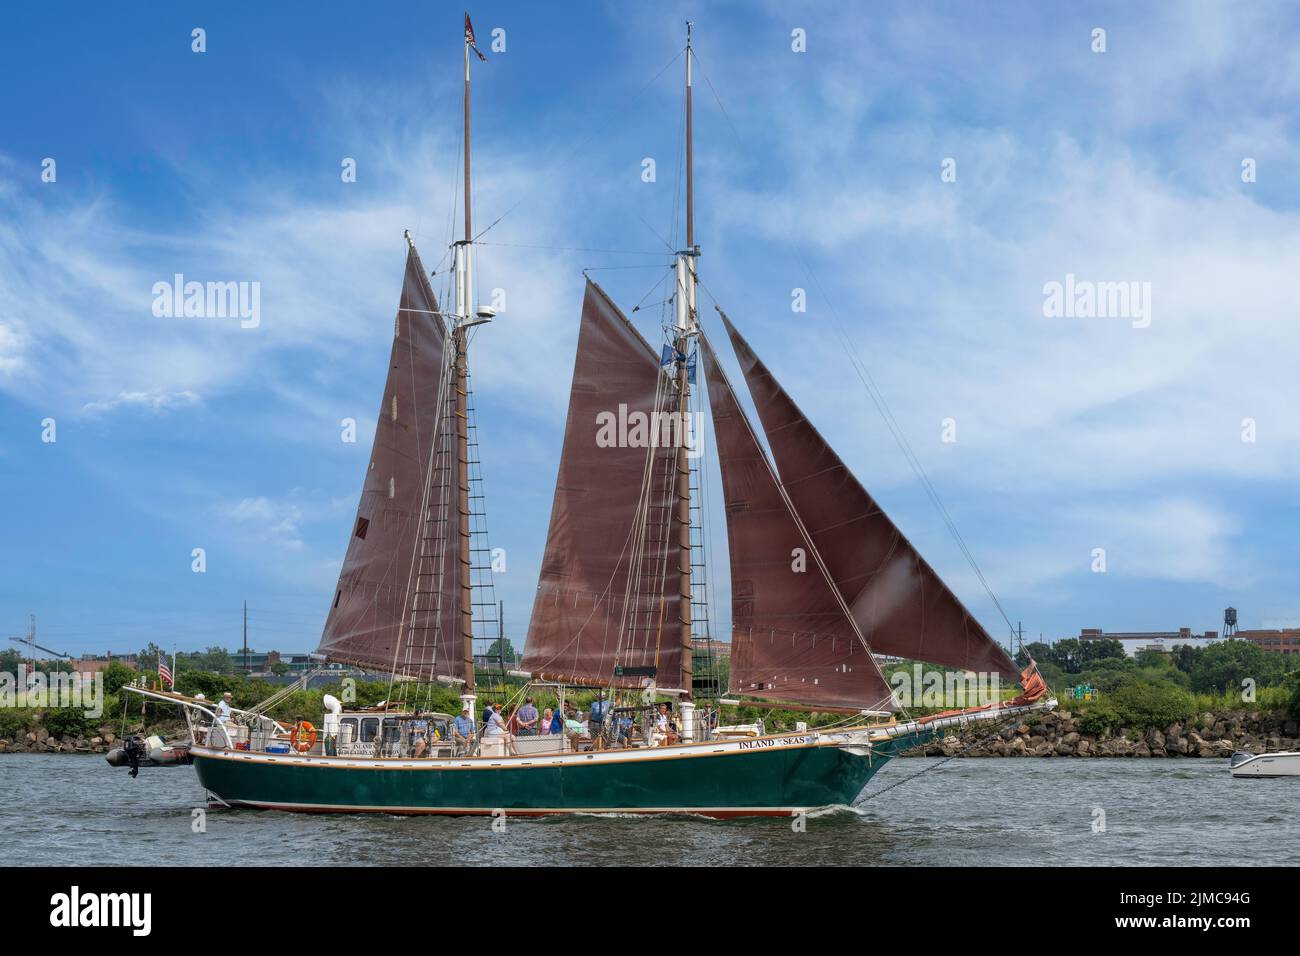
(901, 605)
(792, 636)
(608, 595)
(397, 603)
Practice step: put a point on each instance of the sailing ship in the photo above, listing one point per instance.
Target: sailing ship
(617, 601)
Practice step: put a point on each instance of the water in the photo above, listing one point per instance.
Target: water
(73, 810)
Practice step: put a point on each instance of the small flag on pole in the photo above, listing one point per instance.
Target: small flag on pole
(164, 672)
(469, 38)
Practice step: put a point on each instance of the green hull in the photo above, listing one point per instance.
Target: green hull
(745, 783)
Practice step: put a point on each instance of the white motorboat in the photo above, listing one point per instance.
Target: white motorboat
(1284, 763)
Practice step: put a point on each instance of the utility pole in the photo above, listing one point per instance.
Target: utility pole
(245, 638)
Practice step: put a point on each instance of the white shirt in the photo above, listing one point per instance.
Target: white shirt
(223, 710)
(496, 726)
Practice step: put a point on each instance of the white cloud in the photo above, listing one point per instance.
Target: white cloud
(278, 522)
(153, 401)
(11, 350)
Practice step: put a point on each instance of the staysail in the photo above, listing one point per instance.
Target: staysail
(792, 637)
(608, 595)
(397, 601)
(902, 606)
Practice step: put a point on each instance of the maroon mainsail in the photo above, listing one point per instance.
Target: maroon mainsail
(901, 605)
(792, 636)
(397, 601)
(608, 595)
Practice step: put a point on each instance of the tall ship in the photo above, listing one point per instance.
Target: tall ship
(821, 583)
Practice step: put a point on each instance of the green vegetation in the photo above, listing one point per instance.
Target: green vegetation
(1293, 695)
(1155, 689)
(14, 722)
(69, 722)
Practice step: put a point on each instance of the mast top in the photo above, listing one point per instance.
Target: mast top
(690, 154)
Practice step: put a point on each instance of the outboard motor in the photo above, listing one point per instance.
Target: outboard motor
(133, 750)
(129, 754)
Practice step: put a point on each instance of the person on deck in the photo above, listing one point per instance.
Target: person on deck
(544, 725)
(665, 733)
(223, 711)
(419, 729)
(596, 720)
(710, 721)
(527, 718)
(487, 713)
(624, 731)
(496, 727)
(462, 730)
(557, 722)
(576, 731)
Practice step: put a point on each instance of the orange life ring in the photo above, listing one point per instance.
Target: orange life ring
(301, 729)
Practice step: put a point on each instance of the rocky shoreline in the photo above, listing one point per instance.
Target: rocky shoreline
(1058, 734)
(41, 741)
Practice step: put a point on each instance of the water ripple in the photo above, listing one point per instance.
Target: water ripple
(74, 810)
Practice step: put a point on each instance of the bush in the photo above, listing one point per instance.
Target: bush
(1097, 718)
(14, 722)
(1293, 705)
(1152, 705)
(69, 722)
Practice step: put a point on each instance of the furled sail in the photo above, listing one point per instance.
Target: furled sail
(792, 636)
(901, 605)
(397, 601)
(608, 593)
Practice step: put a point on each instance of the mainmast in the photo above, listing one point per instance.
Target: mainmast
(686, 329)
(463, 320)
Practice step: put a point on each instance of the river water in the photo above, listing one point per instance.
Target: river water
(61, 809)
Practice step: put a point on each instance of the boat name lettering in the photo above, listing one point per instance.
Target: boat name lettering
(773, 742)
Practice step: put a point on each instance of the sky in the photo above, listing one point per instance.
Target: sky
(922, 171)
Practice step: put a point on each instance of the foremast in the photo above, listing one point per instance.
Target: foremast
(686, 328)
(463, 319)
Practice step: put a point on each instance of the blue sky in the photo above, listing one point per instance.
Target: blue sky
(819, 170)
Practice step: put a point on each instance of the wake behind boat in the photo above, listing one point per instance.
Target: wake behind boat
(618, 607)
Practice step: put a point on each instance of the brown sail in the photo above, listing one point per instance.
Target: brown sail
(397, 600)
(792, 637)
(608, 594)
(901, 605)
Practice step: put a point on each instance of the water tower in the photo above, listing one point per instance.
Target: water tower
(1229, 622)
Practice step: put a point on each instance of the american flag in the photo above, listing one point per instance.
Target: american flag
(469, 38)
(164, 672)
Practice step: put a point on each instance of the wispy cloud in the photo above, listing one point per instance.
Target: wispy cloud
(279, 522)
(153, 401)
